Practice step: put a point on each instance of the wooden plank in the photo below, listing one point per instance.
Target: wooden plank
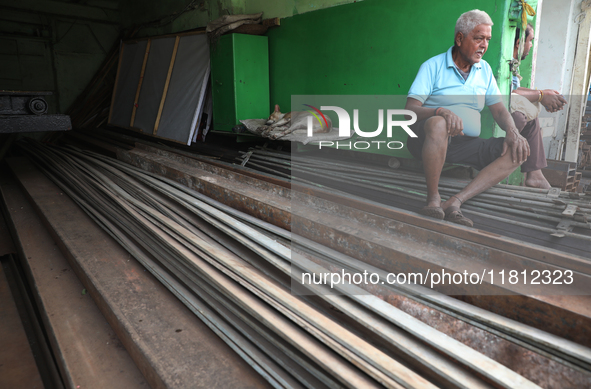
(165, 91)
(86, 348)
(116, 82)
(139, 84)
(170, 346)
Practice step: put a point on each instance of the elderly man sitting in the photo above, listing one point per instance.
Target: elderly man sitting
(447, 95)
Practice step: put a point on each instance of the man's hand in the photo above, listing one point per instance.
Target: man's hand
(518, 145)
(455, 125)
(553, 101)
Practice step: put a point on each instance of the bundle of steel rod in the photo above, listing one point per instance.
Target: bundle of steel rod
(234, 272)
(551, 211)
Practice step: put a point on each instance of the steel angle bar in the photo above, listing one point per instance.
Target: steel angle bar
(197, 285)
(178, 291)
(453, 374)
(341, 332)
(262, 363)
(90, 195)
(339, 338)
(310, 375)
(278, 161)
(278, 323)
(266, 333)
(211, 228)
(118, 235)
(317, 319)
(530, 226)
(554, 343)
(517, 208)
(504, 198)
(551, 346)
(195, 201)
(247, 350)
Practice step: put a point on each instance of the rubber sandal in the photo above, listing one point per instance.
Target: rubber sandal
(454, 215)
(434, 212)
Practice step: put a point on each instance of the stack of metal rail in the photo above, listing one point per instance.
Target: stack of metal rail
(552, 211)
(235, 271)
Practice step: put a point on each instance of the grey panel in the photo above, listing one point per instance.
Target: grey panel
(129, 76)
(153, 84)
(188, 78)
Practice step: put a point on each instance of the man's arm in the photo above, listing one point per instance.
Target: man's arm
(552, 100)
(455, 126)
(513, 140)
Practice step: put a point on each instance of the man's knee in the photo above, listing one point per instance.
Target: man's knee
(519, 119)
(436, 128)
(509, 158)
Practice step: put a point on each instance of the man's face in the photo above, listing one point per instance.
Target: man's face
(474, 45)
(528, 43)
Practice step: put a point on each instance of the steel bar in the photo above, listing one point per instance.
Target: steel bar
(493, 193)
(147, 240)
(411, 194)
(543, 255)
(243, 230)
(388, 370)
(154, 218)
(102, 265)
(327, 164)
(96, 173)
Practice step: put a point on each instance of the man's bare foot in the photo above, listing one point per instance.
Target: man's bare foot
(536, 179)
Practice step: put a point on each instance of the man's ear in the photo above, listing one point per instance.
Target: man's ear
(459, 38)
(517, 44)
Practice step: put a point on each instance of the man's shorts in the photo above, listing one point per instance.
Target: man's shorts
(468, 150)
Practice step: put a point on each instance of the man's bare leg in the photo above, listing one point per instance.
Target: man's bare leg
(434, 151)
(536, 179)
(531, 131)
(491, 175)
